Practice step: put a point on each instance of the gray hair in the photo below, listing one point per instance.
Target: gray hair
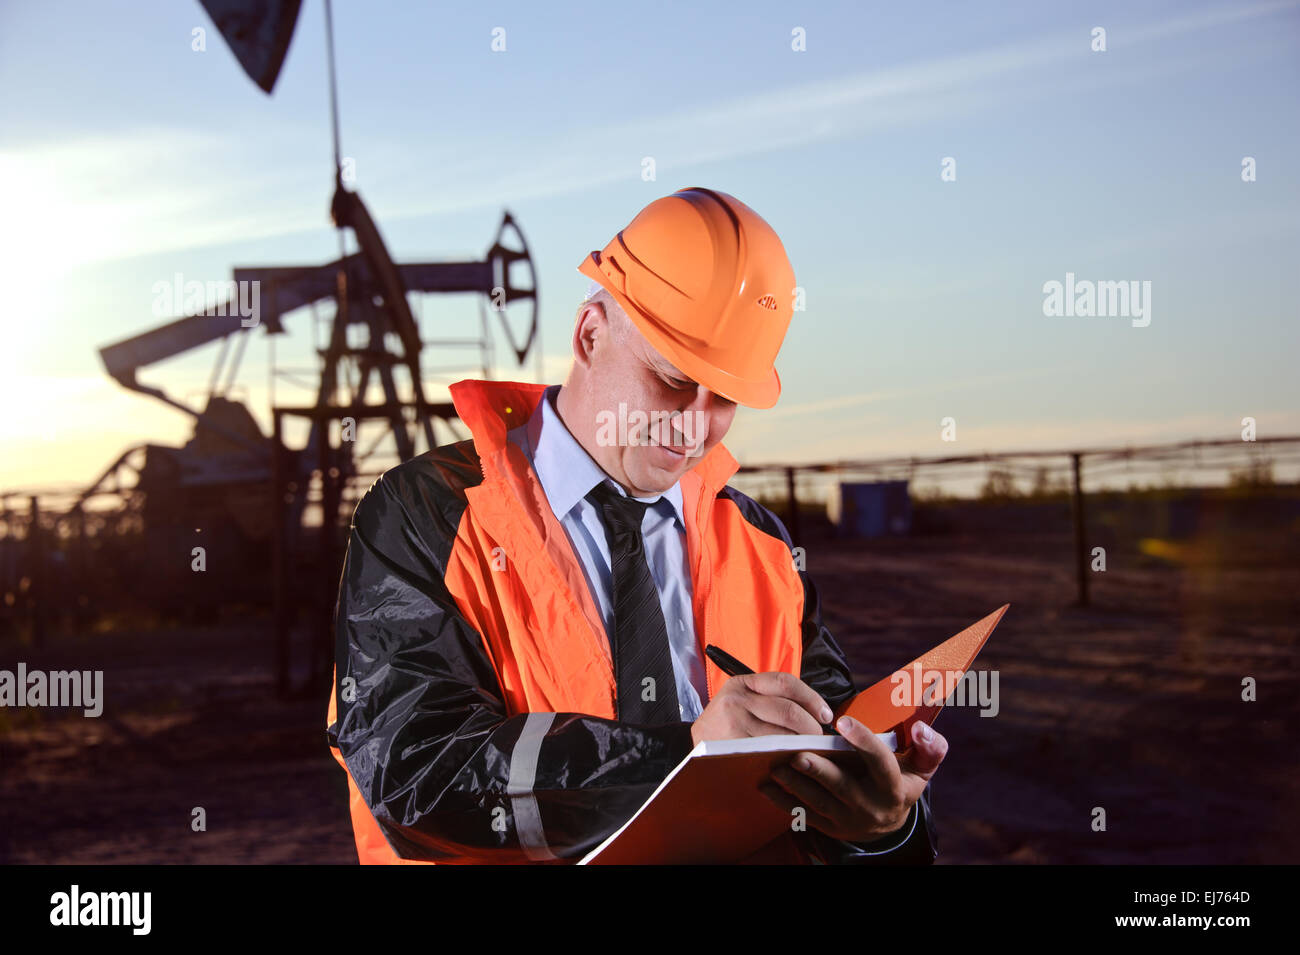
(618, 319)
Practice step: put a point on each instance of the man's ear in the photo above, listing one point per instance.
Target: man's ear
(590, 322)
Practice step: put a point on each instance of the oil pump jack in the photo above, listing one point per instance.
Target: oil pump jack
(369, 291)
(247, 494)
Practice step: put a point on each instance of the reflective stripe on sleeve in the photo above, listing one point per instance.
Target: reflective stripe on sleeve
(916, 817)
(523, 776)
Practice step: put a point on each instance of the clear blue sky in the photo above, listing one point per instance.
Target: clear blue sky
(126, 157)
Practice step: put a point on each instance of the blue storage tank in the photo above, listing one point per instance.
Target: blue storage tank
(871, 509)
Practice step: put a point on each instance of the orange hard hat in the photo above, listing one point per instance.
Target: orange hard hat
(706, 280)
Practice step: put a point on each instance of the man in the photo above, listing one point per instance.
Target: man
(522, 615)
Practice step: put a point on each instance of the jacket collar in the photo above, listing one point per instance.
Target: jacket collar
(565, 468)
(491, 408)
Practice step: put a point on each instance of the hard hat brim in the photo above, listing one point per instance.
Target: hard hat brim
(752, 394)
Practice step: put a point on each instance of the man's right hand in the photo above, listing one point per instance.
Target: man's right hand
(762, 704)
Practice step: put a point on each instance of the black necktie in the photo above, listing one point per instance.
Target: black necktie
(640, 639)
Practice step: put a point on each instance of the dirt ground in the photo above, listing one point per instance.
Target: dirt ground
(1133, 705)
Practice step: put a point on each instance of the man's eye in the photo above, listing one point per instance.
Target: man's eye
(679, 385)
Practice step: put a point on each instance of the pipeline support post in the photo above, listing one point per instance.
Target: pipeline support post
(793, 505)
(279, 598)
(36, 551)
(1080, 544)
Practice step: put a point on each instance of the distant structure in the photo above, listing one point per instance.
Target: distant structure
(866, 509)
(237, 515)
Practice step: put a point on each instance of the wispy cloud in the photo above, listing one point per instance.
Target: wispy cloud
(154, 189)
(844, 402)
(157, 189)
(839, 108)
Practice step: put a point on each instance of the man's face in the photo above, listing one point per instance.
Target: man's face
(671, 422)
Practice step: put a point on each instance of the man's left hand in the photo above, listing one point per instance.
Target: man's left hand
(863, 801)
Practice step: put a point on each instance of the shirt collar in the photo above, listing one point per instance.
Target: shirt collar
(564, 468)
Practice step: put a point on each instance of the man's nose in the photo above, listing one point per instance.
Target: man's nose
(692, 425)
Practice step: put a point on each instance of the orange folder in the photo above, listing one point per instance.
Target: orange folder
(709, 808)
(918, 690)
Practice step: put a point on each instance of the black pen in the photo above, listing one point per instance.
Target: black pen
(733, 667)
(725, 661)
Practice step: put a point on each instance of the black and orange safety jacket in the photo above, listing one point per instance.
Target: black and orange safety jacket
(474, 699)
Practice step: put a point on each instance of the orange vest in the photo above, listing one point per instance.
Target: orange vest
(540, 625)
